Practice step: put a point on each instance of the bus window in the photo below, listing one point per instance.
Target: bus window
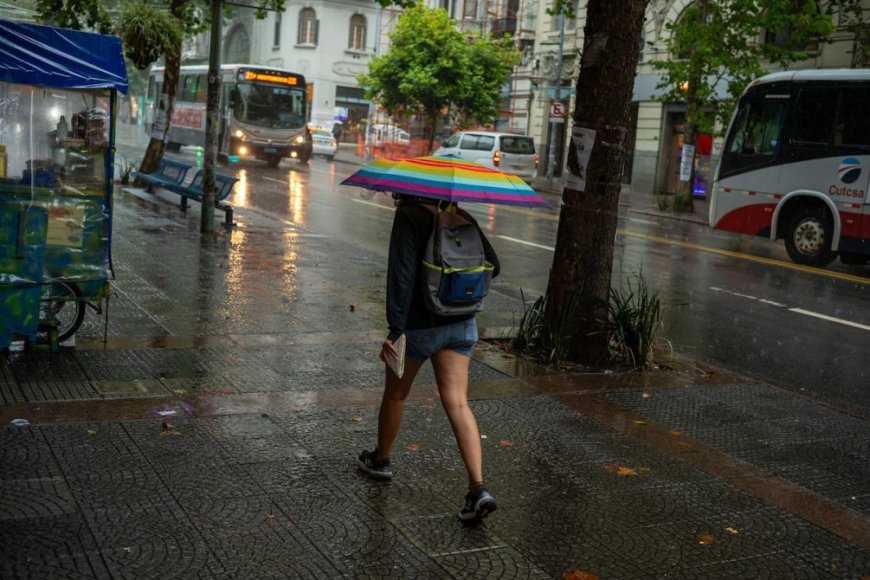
(194, 88)
(271, 106)
(853, 123)
(814, 116)
(757, 129)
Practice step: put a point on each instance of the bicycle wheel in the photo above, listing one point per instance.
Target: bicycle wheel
(62, 304)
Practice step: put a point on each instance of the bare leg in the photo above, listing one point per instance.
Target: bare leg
(393, 405)
(451, 373)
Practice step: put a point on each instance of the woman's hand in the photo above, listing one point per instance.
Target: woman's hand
(388, 351)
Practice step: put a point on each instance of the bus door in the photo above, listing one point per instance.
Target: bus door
(852, 135)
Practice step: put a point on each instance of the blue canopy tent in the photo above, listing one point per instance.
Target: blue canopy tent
(58, 93)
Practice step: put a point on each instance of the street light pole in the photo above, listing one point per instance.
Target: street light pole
(212, 120)
(551, 157)
(371, 103)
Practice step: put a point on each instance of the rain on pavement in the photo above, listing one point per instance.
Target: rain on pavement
(211, 435)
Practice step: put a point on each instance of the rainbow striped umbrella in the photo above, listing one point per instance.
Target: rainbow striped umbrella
(446, 178)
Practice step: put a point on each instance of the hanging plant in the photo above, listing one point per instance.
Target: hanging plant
(147, 33)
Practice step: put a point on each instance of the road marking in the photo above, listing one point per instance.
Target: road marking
(273, 180)
(373, 204)
(749, 257)
(795, 310)
(829, 318)
(525, 243)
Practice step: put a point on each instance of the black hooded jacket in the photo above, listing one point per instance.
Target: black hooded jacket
(412, 226)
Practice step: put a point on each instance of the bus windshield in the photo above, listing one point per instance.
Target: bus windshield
(271, 106)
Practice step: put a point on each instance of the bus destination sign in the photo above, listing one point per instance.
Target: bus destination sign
(268, 77)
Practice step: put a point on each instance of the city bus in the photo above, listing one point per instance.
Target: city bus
(263, 111)
(795, 165)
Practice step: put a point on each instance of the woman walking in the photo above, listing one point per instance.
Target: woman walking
(446, 340)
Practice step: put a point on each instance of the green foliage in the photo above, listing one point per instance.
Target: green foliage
(722, 42)
(147, 33)
(544, 334)
(432, 66)
(77, 15)
(633, 322)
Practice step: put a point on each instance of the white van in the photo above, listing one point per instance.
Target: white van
(508, 152)
(380, 135)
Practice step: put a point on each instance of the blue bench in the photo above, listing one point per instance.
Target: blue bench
(170, 175)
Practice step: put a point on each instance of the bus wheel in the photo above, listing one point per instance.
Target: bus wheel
(808, 239)
(274, 161)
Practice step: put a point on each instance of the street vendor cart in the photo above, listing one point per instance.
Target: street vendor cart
(58, 93)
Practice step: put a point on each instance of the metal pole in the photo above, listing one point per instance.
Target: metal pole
(212, 123)
(551, 157)
(372, 104)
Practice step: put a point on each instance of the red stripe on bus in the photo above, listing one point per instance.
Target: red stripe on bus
(750, 219)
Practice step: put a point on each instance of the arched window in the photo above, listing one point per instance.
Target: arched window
(357, 39)
(307, 27)
(238, 45)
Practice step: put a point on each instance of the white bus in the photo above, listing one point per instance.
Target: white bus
(264, 111)
(795, 165)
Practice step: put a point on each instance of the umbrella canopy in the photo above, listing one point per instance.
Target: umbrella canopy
(446, 178)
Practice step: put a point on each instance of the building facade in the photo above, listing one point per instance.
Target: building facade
(655, 134)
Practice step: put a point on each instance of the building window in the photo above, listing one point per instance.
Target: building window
(469, 11)
(307, 27)
(357, 40)
(276, 35)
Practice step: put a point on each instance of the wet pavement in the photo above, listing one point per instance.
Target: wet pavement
(213, 435)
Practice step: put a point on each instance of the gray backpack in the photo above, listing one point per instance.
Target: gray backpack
(455, 273)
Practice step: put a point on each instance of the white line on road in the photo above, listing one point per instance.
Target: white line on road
(373, 204)
(795, 310)
(830, 318)
(524, 242)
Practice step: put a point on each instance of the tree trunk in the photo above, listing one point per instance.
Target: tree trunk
(583, 258)
(172, 68)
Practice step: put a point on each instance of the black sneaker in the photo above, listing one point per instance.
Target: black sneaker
(374, 468)
(478, 504)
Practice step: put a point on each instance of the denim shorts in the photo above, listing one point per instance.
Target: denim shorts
(458, 336)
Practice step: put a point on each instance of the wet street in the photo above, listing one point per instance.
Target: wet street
(212, 435)
(732, 300)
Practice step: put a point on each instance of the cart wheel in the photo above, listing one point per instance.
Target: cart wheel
(62, 303)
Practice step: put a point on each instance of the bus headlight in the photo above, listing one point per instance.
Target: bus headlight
(300, 139)
(240, 134)
(243, 150)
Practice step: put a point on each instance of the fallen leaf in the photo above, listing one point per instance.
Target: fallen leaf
(169, 432)
(675, 432)
(356, 418)
(732, 530)
(622, 470)
(413, 447)
(92, 431)
(506, 443)
(352, 307)
(643, 470)
(645, 396)
(639, 422)
(579, 575)
(270, 516)
(706, 539)
(166, 425)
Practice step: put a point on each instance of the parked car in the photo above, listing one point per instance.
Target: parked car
(508, 152)
(381, 135)
(324, 143)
